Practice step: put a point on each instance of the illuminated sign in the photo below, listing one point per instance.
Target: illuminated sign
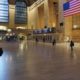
(21, 13)
(4, 11)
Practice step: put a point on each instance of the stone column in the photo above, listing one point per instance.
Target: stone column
(11, 16)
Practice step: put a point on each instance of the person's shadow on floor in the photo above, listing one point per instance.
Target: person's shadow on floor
(72, 54)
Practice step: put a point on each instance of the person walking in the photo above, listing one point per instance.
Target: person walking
(54, 42)
(71, 45)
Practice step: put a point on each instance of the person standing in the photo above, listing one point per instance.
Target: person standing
(43, 39)
(36, 39)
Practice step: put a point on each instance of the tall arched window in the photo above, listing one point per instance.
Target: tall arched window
(20, 12)
(76, 21)
(4, 11)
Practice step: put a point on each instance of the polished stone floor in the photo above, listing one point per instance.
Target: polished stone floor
(39, 61)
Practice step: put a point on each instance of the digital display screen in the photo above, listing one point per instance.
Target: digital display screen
(4, 11)
(21, 13)
(45, 30)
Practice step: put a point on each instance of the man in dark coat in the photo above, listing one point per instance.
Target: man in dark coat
(71, 45)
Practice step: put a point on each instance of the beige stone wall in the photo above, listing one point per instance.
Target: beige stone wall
(36, 16)
(32, 19)
(68, 27)
(46, 12)
(52, 13)
(41, 14)
(73, 34)
(11, 16)
(76, 35)
(60, 12)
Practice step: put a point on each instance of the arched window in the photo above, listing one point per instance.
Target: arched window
(4, 11)
(20, 12)
(76, 21)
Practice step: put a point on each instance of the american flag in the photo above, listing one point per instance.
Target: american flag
(71, 7)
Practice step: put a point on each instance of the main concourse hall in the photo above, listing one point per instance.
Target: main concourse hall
(39, 39)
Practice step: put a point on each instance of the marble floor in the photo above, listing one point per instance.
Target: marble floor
(39, 61)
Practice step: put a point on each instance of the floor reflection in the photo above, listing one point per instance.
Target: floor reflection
(73, 54)
(73, 57)
(22, 47)
(3, 68)
(22, 61)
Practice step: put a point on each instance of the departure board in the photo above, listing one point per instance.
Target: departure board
(20, 12)
(4, 11)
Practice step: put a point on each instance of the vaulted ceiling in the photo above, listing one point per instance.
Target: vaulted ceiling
(29, 2)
